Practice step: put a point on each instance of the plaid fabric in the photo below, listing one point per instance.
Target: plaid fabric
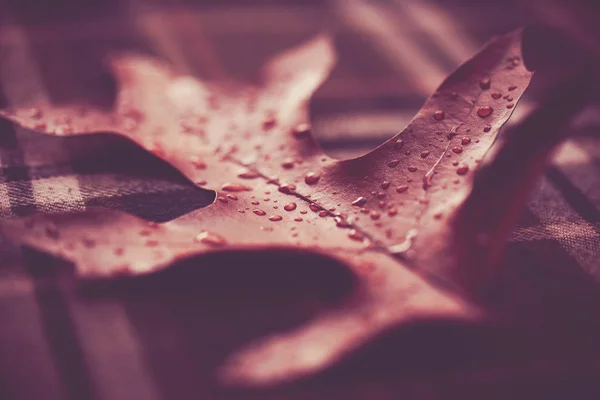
(58, 342)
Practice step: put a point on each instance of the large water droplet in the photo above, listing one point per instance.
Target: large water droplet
(259, 212)
(312, 178)
(457, 150)
(393, 163)
(211, 239)
(235, 187)
(359, 202)
(412, 168)
(439, 115)
(402, 188)
(314, 207)
(485, 111)
(275, 218)
(290, 207)
(465, 140)
(425, 154)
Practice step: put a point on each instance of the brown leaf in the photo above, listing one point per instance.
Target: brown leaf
(385, 215)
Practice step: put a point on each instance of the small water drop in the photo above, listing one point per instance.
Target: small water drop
(382, 204)
(248, 174)
(439, 115)
(385, 184)
(425, 154)
(511, 88)
(301, 130)
(288, 163)
(303, 211)
(269, 123)
(235, 187)
(412, 168)
(259, 212)
(465, 140)
(487, 128)
(342, 223)
(275, 218)
(359, 202)
(402, 188)
(399, 144)
(485, 83)
(393, 163)
(509, 106)
(298, 219)
(455, 163)
(211, 239)
(496, 96)
(287, 188)
(314, 207)
(392, 212)
(462, 170)
(222, 199)
(509, 98)
(312, 178)
(380, 195)
(290, 207)
(355, 235)
(323, 213)
(201, 183)
(255, 203)
(485, 111)
(375, 215)
(457, 150)
(231, 196)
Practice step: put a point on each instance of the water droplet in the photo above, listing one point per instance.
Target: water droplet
(438, 216)
(382, 204)
(35, 113)
(248, 174)
(355, 235)
(288, 163)
(275, 218)
(342, 223)
(455, 163)
(511, 88)
(323, 213)
(393, 163)
(385, 184)
(381, 195)
(509, 98)
(375, 215)
(303, 211)
(259, 212)
(298, 219)
(255, 203)
(496, 96)
(314, 207)
(392, 212)
(269, 123)
(290, 207)
(201, 183)
(485, 83)
(425, 154)
(487, 128)
(235, 187)
(232, 196)
(485, 111)
(450, 135)
(399, 144)
(266, 199)
(287, 188)
(462, 170)
(211, 239)
(412, 168)
(509, 106)
(222, 199)
(359, 202)
(364, 210)
(439, 115)
(312, 178)
(301, 130)
(465, 140)
(457, 150)
(402, 188)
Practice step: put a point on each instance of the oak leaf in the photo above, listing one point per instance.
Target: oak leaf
(391, 216)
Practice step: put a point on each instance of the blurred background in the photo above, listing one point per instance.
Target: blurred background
(160, 339)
